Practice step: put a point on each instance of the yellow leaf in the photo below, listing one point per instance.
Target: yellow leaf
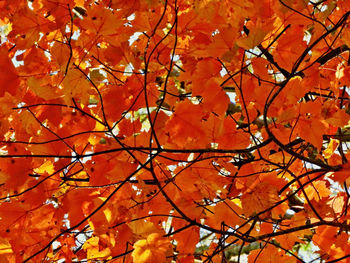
(332, 146)
(108, 214)
(92, 248)
(45, 167)
(5, 247)
(142, 228)
(152, 249)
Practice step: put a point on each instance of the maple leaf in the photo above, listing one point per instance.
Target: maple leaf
(152, 249)
(223, 124)
(185, 125)
(9, 81)
(93, 251)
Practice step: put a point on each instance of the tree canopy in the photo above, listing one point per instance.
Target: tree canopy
(174, 131)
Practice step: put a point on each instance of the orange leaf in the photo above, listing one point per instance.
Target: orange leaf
(9, 80)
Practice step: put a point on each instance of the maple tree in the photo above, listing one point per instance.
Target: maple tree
(174, 130)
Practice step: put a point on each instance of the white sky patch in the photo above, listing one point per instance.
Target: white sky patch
(129, 69)
(30, 5)
(134, 37)
(76, 35)
(131, 17)
(223, 72)
(15, 62)
(84, 159)
(4, 31)
(307, 253)
(232, 96)
(175, 58)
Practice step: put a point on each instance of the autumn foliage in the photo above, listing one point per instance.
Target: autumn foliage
(174, 131)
